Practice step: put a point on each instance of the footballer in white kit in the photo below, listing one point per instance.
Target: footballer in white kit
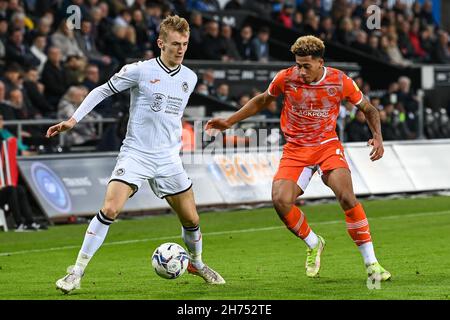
(159, 92)
(152, 144)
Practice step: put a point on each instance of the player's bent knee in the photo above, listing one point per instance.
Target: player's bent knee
(189, 223)
(110, 211)
(347, 201)
(282, 203)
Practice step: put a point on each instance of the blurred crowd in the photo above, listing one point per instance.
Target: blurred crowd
(47, 68)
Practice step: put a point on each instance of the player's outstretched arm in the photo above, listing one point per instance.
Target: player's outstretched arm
(373, 120)
(61, 127)
(254, 106)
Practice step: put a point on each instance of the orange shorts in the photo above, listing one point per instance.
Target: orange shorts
(298, 164)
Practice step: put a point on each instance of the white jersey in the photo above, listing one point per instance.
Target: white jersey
(158, 98)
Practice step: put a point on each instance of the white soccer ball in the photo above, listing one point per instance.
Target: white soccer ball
(170, 260)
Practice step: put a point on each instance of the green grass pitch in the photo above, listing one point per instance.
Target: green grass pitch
(254, 252)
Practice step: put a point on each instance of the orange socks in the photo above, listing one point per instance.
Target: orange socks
(295, 220)
(357, 225)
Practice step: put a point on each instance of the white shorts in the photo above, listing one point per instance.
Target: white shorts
(166, 177)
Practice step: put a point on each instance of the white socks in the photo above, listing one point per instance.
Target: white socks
(311, 240)
(192, 237)
(368, 253)
(95, 235)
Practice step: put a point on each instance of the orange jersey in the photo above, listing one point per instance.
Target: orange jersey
(310, 110)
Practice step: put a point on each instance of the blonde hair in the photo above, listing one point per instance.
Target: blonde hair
(308, 46)
(173, 23)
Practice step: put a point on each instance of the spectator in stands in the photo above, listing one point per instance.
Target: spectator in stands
(223, 94)
(142, 36)
(261, 45)
(84, 133)
(121, 46)
(34, 90)
(208, 80)
(22, 149)
(91, 81)
(244, 45)
(53, 77)
(43, 28)
(357, 129)
(243, 99)
(86, 43)
(414, 37)
(297, 21)
(3, 9)
(31, 135)
(286, 15)
(20, 22)
(271, 112)
(387, 128)
(326, 29)
(404, 42)
(394, 53)
(131, 45)
(442, 51)
(74, 70)
(375, 51)
(64, 39)
(360, 42)
(312, 23)
(6, 110)
(213, 48)
(38, 50)
(17, 51)
(226, 36)
(202, 89)
(12, 77)
(426, 14)
(196, 35)
(101, 25)
(22, 108)
(344, 34)
(123, 19)
(396, 115)
(153, 15)
(3, 29)
(409, 102)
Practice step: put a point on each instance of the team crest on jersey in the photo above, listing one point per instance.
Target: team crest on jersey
(185, 86)
(120, 172)
(158, 100)
(332, 91)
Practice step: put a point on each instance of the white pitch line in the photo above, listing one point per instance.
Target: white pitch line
(218, 233)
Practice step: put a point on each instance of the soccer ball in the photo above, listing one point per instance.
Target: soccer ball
(170, 260)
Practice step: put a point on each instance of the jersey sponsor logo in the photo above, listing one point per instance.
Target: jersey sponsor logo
(185, 86)
(314, 113)
(120, 172)
(155, 81)
(158, 100)
(50, 187)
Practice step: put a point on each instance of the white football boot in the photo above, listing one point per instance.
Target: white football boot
(208, 274)
(70, 282)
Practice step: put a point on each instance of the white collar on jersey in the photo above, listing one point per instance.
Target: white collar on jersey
(321, 79)
(171, 72)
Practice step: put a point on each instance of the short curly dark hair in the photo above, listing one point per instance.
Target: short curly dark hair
(308, 46)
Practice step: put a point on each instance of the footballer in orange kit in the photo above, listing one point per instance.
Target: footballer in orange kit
(312, 97)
